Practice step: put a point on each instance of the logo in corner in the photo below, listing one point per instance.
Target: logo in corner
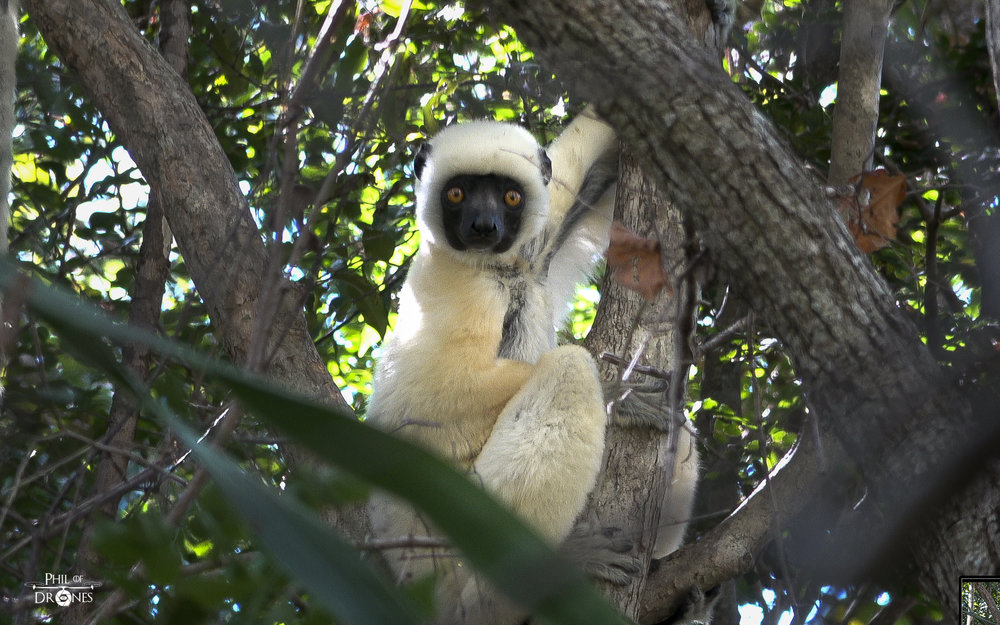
(63, 590)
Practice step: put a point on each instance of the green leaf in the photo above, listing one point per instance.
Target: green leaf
(315, 556)
(513, 557)
(365, 297)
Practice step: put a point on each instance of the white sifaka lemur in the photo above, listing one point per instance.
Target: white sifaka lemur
(472, 371)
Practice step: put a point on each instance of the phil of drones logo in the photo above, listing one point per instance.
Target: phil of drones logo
(63, 589)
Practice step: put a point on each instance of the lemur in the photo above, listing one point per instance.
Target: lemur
(472, 371)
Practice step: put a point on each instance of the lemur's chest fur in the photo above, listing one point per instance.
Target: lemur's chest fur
(526, 330)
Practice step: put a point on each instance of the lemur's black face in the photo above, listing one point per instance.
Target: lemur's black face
(482, 212)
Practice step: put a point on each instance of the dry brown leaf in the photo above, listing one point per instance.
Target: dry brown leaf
(874, 226)
(364, 22)
(635, 262)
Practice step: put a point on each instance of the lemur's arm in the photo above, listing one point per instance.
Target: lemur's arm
(584, 164)
(582, 197)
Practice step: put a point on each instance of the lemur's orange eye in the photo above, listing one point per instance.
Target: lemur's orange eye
(455, 195)
(512, 198)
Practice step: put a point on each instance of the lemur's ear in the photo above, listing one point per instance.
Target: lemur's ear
(424, 152)
(545, 165)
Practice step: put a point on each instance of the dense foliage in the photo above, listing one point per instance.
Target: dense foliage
(393, 75)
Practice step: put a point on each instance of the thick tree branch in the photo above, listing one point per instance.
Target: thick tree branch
(772, 232)
(152, 110)
(731, 547)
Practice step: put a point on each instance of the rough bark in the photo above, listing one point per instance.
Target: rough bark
(855, 115)
(774, 235)
(153, 112)
(633, 479)
(963, 538)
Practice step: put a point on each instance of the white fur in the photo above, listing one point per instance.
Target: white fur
(675, 511)
(579, 146)
(529, 427)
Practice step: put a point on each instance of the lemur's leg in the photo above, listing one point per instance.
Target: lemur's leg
(541, 460)
(545, 450)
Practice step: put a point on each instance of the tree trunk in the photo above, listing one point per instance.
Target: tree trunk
(772, 233)
(637, 469)
(634, 476)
